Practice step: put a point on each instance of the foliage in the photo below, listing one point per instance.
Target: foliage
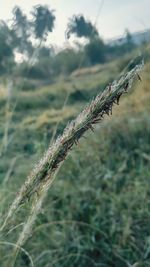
(81, 27)
(129, 40)
(22, 28)
(67, 61)
(45, 52)
(43, 21)
(6, 47)
(95, 51)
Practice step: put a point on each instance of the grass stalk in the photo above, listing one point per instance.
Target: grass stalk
(27, 228)
(43, 173)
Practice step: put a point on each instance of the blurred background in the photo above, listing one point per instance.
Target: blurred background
(55, 57)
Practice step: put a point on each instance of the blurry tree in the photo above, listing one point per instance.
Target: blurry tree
(38, 27)
(119, 49)
(45, 52)
(22, 27)
(7, 44)
(44, 61)
(27, 31)
(95, 48)
(43, 21)
(95, 51)
(81, 27)
(129, 39)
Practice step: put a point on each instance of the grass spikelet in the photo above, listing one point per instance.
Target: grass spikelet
(45, 170)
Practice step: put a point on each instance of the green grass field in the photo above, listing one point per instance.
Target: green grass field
(97, 212)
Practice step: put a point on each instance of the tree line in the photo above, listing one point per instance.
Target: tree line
(30, 37)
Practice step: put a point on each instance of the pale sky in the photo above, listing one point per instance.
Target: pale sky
(114, 15)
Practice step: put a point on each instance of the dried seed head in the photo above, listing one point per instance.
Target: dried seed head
(56, 154)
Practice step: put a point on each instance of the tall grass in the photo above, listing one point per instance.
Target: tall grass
(44, 173)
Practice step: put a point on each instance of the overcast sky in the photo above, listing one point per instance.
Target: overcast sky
(113, 18)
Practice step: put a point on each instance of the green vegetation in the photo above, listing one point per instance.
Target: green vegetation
(97, 211)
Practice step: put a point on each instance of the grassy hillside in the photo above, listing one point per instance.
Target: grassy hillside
(97, 211)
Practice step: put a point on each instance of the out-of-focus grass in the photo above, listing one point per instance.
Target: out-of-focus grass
(97, 212)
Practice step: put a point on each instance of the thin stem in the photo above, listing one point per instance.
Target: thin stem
(27, 228)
